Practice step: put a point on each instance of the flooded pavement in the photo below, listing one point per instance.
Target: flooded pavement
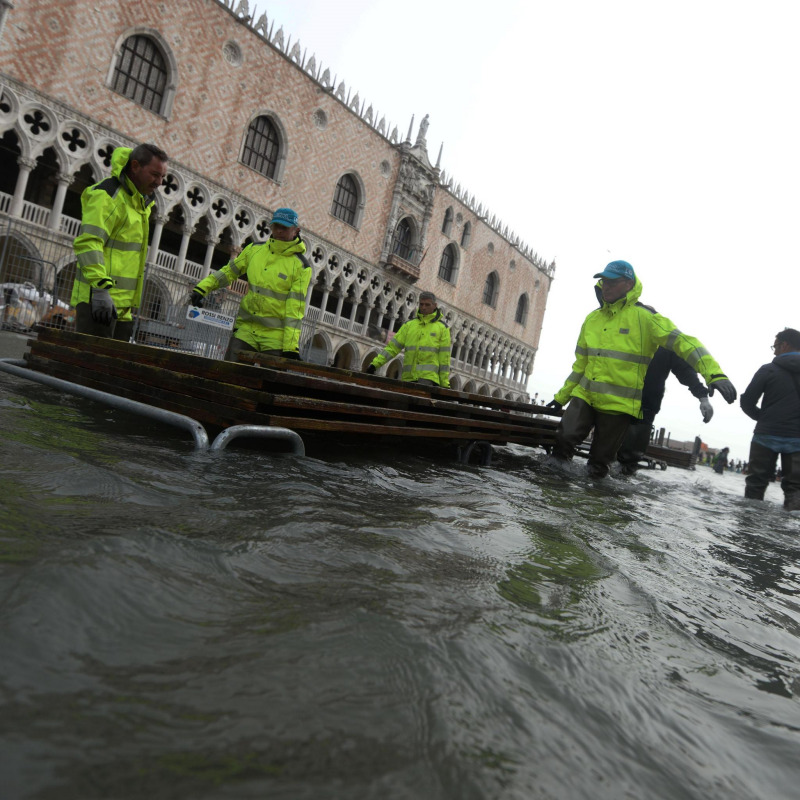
(245, 625)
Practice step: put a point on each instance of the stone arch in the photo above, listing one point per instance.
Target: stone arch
(318, 349)
(347, 357)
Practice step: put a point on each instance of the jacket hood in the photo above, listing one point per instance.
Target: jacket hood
(434, 317)
(296, 246)
(119, 158)
(629, 299)
(788, 361)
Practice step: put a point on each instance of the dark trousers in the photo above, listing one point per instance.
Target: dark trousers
(609, 432)
(636, 440)
(236, 346)
(761, 472)
(121, 331)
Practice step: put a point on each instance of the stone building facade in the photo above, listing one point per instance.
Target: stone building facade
(251, 123)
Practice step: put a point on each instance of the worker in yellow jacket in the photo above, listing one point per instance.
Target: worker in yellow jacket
(426, 341)
(615, 347)
(111, 247)
(278, 274)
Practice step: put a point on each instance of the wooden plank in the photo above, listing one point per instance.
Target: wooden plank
(310, 398)
(229, 372)
(217, 414)
(202, 388)
(224, 416)
(303, 406)
(405, 387)
(286, 383)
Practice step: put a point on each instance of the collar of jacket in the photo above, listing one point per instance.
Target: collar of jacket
(789, 361)
(286, 248)
(426, 318)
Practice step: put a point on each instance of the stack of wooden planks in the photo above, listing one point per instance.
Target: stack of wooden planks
(270, 391)
(314, 400)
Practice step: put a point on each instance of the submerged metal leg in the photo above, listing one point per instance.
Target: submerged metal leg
(198, 432)
(261, 432)
(484, 450)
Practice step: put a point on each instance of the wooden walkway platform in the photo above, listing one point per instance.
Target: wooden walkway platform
(269, 391)
(318, 402)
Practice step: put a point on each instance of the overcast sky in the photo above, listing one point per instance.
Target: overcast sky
(663, 134)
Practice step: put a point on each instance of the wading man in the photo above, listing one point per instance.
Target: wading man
(614, 350)
(111, 247)
(777, 431)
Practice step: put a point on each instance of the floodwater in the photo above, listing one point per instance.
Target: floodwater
(251, 625)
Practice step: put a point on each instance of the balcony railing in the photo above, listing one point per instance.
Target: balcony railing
(405, 268)
(40, 215)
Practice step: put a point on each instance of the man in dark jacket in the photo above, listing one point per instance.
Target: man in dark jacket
(777, 421)
(638, 436)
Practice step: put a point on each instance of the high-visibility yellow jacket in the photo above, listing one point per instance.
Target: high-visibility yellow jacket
(272, 311)
(426, 340)
(615, 346)
(111, 247)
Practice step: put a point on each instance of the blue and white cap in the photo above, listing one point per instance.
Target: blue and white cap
(286, 217)
(617, 269)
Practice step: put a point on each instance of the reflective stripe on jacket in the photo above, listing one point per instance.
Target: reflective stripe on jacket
(615, 346)
(426, 341)
(272, 311)
(111, 247)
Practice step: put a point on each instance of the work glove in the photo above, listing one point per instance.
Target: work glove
(706, 409)
(102, 306)
(555, 405)
(725, 388)
(197, 299)
(370, 370)
(293, 354)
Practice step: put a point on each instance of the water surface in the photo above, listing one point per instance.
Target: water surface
(249, 625)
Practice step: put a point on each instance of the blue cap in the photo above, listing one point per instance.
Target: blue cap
(286, 217)
(618, 269)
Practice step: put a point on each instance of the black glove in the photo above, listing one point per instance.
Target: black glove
(725, 388)
(293, 354)
(370, 370)
(197, 299)
(103, 309)
(554, 404)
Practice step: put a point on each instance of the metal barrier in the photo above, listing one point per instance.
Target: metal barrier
(197, 431)
(37, 271)
(163, 318)
(260, 432)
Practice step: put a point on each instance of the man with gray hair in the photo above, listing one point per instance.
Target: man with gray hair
(111, 247)
(426, 341)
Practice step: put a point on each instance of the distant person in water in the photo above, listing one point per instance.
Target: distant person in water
(720, 461)
(777, 431)
(615, 347)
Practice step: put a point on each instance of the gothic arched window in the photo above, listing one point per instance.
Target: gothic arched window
(490, 289)
(447, 223)
(447, 264)
(262, 147)
(140, 73)
(522, 309)
(345, 200)
(466, 234)
(402, 244)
